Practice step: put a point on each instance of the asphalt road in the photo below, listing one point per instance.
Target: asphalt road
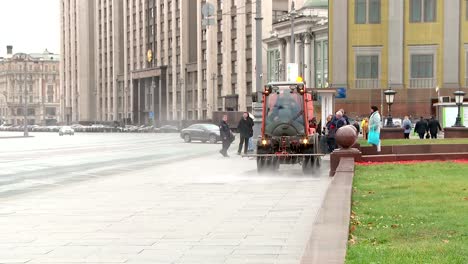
(47, 159)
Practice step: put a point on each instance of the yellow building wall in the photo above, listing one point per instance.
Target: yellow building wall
(368, 35)
(424, 34)
(463, 41)
(330, 42)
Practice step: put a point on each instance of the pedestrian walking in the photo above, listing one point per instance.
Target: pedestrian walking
(365, 127)
(421, 127)
(245, 128)
(434, 127)
(374, 128)
(406, 125)
(226, 136)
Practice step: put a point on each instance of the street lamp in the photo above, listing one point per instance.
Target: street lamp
(389, 97)
(214, 77)
(459, 101)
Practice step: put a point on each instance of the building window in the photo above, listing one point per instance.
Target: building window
(367, 12)
(50, 111)
(321, 64)
(204, 95)
(234, 67)
(423, 66)
(367, 71)
(233, 22)
(273, 60)
(423, 10)
(367, 67)
(234, 44)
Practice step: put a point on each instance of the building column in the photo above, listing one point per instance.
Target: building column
(395, 43)
(307, 62)
(297, 57)
(139, 101)
(451, 57)
(340, 43)
(287, 57)
(282, 59)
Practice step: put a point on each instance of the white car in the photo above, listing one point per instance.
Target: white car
(66, 130)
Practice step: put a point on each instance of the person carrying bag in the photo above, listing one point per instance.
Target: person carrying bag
(374, 128)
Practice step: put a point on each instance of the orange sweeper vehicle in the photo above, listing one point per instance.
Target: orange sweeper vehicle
(288, 135)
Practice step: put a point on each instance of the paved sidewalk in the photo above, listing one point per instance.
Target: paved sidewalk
(205, 210)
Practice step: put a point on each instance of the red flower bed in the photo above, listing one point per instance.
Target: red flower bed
(369, 163)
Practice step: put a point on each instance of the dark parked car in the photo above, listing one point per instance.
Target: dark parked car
(202, 132)
(168, 129)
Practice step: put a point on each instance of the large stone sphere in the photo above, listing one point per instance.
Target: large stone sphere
(346, 136)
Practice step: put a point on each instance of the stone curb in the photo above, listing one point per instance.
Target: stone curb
(329, 238)
(16, 137)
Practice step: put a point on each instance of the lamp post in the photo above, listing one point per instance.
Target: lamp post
(389, 97)
(214, 77)
(459, 101)
(182, 97)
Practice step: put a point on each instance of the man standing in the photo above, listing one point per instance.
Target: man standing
(421, 128)
(245, 129)
(225, 133)
(434, 127)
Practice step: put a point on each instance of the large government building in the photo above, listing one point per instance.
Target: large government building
(29, 86)
(419, 48)
(143, 61)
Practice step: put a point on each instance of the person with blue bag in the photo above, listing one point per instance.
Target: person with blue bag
(374, 128)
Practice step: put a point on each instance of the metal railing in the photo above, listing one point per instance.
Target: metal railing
(367, 83)
(422, 82)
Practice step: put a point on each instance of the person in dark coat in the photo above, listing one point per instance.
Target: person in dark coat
(346, 118)
(434, 127)
(245, 129)
(421, 128)
(332, 126)
(225, 133)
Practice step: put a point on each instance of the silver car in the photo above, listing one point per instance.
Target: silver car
(66, 130)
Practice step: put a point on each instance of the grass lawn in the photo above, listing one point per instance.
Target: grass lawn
(393, 142)
(414, 213)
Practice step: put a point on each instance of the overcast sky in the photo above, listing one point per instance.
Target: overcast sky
(30, 26)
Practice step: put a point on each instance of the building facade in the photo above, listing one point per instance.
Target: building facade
(150, 61)
(29, 83)
(311, 44)
(77, 68)
(416, 47)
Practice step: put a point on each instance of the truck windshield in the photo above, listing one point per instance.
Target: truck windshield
(284, 108)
